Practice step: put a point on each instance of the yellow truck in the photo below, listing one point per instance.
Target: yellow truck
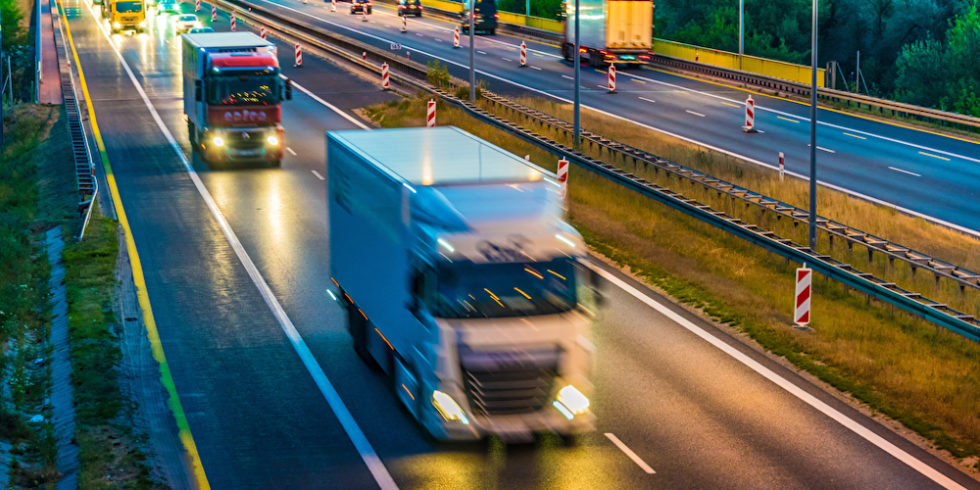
(610, 31)
(125, 15)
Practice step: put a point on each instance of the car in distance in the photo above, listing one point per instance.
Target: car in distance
(186, 22)
(410, 7)
(360, 6)
(197, 30)
(168, 6)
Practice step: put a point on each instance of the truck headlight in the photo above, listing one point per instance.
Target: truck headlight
(448, 407)
(142, 23)
(116, 25)
(218, 141)
(273, 140)
(571, 402)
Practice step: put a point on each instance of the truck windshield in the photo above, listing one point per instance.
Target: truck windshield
(129, 6)
(493, 290)
(244, 89)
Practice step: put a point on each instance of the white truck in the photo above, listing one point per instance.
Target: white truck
(462, 281)
(611, 31)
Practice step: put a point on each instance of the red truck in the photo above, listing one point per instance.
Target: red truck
(233, 92)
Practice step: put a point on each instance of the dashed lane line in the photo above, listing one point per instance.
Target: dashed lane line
(629, 452)
(290, 150)
(317, 175)
(905, 172)
(694, 113)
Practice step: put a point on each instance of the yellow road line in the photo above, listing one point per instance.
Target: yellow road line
(729, 104)
(855, 136)
(933, 156)
(637, 80)
(825, 108)
(795, 121)
(173, 400)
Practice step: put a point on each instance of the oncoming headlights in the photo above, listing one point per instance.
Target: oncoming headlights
(272, 140)
(448, 407)
(571, 402)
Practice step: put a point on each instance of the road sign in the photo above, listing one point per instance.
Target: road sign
(395, 47)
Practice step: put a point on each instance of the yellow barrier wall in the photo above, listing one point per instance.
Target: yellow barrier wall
(455, 7)
(750, 64)
(505, 17)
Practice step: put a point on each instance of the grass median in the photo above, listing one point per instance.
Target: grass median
(896, 364)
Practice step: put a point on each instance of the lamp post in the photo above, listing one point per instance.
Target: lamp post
(577, 64)
(472, 52)
(741, 32)
(813, 133)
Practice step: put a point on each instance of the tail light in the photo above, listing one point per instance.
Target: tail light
(496, 16)
(644, 56)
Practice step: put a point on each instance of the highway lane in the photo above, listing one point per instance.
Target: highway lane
(902, 167)
(672, 419)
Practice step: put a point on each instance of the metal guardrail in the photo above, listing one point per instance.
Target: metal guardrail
(411, 73)
(87, 184)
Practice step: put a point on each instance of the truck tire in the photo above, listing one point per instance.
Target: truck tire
(192, 134)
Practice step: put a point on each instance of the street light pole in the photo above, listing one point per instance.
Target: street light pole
(472, 51)
(577, 64)
(741, 32)
(813, 134)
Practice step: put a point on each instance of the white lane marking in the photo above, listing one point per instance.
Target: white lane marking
(317, 174)
(419, 34)
(353, 120)
(963, 229)
(290, 150)
(481, 52)
(354, 432)
(823, 123)
(905, 172)
(567, 77)
(648, 100)
(600, 85)
(506, 59)
(437, 39)
(844, 420)
(828, 150)
(693, 113)
(536, 68)
(933, 156)
(629, 452)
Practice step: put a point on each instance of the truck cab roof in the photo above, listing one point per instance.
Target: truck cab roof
(226, 40)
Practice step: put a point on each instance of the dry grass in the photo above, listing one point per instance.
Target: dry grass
(899, 365)
(916, 233)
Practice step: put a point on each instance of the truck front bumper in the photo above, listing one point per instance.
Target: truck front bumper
(520, 427)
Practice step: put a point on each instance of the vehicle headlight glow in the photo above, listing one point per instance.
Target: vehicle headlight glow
(142, 23)
(218, 141)
(571, 400)
(273, 140)
(448, 408)
(117, 25)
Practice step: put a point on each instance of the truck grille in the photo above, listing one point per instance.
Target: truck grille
(239, 140)
(502, 383)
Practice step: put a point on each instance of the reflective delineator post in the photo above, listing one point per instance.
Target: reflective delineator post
(612, 78)
(197, 5)
(214, 13)
(385, 84)
(262, 32)
(782, 166)
(749, 116)
(333, 5)
(233, 21)
(404, 24)
(456, 37)
(363, 55)
(801, 313)
(563, 177)
(299, 56)
(430, 114)
(523, 54)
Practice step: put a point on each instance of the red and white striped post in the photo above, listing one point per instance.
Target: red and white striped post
(232, 21)
(804, 279)
(782, 166)
(456, 37)
(612, 78)
(749, 116)
(404, 24)
(363, 55)
(385, 84)
(430, 114)
(197, 5)
(333, 5)
(214, 13)
(523, 55)
(262, 32)
(299, 56)
(697, 56)
(563, 177)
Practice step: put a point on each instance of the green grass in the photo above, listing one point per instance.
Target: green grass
(106, 444)
(916, 233)
(899, 365)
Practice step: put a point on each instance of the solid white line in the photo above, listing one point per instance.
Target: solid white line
(693, 113)
(317, 174)
(975, 233)
(648, 100)
(847, 422)
(629, 452)
(354, 432)
(290, 150)
(905, 172)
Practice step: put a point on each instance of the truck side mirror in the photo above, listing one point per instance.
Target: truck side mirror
(596, 284)
(198, 88)
(289, 89)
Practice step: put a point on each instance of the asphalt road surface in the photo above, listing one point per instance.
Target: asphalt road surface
(253, 339)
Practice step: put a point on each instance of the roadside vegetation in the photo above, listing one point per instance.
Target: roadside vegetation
(896, 364)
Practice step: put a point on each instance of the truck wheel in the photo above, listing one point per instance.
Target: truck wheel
(192, 134)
